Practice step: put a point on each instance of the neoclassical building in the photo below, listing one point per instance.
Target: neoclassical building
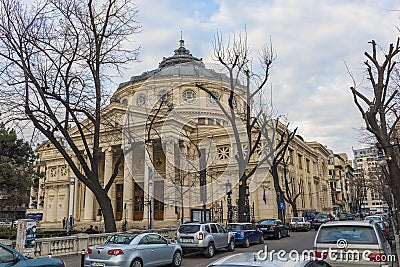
(179, 156)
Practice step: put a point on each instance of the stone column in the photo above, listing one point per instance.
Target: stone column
(128, 194)
(88, 214)
(169, 184)
(54, 204)
(75, 193)
(108, 170)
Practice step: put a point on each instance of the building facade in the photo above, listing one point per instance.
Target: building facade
(171, 130)
(366, 168)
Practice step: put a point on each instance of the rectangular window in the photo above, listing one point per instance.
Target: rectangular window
(210, 121)
(202, 121)
(300, 162)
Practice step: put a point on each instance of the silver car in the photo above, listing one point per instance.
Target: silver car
(353, 243)
(134, 250)
(249, 259)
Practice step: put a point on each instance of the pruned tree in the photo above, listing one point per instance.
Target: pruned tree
(358, 185)
(281, 160)
(293, 189)
(56, 62)
(247, 126)
(379, 105)
(379, 182)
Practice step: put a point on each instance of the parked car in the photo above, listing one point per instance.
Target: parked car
(127, 250)
(364, 239)
(319, 220)
(205, 237)
(343, 216)
(251, 259)
(309, 214)
(350, 216)
(10, 257)
(245, 233)
(300, 224)
(273, 228)
(374, 218)
(384, 228)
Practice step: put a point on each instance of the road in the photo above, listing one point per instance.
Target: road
(298, 241)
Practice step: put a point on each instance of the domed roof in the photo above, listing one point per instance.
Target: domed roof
(182, 63)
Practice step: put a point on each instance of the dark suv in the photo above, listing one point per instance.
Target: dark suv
(204, 237)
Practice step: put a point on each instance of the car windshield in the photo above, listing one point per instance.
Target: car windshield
(120, 239)
(351, 233)
(267, 222)
(189, 228)
(234, 227)
(297, 219)
(322, 216)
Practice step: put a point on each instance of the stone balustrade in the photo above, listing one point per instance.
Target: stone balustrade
(67, 245)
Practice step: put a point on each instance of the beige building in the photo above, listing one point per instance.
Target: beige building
(366, 165)
(159, 183)
(340, 174)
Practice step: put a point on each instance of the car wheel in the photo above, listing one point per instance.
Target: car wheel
(177, 259)
(137, 263)
(210, 251)
(262, 239)
(231, 245)
(246, 242)
(279, 235)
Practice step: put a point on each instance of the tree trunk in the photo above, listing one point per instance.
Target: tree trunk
(107, 210)
(242, 201)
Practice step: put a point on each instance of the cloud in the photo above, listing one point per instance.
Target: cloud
(313, 39)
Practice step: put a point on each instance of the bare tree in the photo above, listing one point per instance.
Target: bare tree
(358, 185)
(55, 63)
(281, 160)
(246, 127)
(379, 106)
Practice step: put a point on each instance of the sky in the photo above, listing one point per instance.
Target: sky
(314, 40)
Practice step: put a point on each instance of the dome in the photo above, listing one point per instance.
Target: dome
(182, 63)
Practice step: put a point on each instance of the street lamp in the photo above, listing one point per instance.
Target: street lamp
(228, 186)
(70, 224)
(247, 205)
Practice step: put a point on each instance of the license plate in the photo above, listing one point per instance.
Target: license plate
(346, 256)
(97, 264)
(187, 240)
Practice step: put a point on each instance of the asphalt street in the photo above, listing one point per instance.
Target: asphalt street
(298, 241)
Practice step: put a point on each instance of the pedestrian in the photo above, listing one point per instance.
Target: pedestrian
(64, 222)
(70, 227)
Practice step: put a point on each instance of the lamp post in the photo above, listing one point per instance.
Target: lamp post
(70, 221)
(247, 205)
(228, 186)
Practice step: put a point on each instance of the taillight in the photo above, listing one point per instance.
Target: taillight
(200, 235)
(386, 233)
(115, 252)
(272, 227)
(377, 257)
(89, 251)
(321, 254)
